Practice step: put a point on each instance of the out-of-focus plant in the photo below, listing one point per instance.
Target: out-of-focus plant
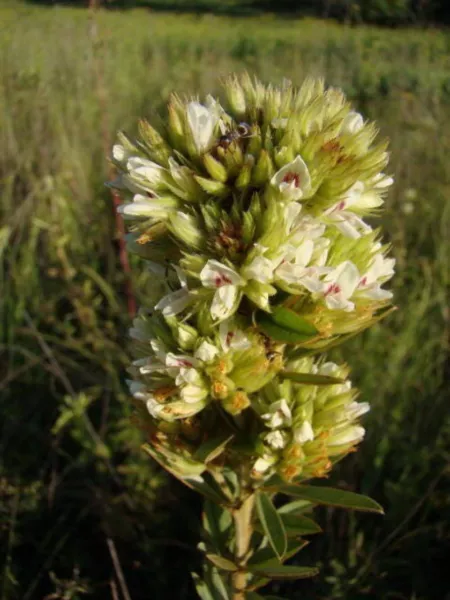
(253, 216)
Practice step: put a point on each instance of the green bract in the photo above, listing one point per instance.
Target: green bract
(252, 215)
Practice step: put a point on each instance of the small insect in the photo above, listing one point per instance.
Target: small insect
(242, 131)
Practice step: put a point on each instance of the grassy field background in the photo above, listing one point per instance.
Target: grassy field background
(79, 503)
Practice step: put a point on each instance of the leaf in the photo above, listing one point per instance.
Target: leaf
(199, 484)
(285, 325)
(332, 497)
(267, 555)
(296, 506)
(289, 319)
(272, 524)
(311, 378)
(221, 562)
(202, 588)
(284, 571)
(212, 448)
(216, 522)
(299, 525)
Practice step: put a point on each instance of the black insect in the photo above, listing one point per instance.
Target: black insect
(242, 131)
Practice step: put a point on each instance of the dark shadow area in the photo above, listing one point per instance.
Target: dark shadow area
(379, 12)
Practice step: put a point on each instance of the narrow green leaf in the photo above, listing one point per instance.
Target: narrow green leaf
(212, 448)
(296, 525)
(297, 506)
(277, 333)
(217, 522)
(221, 562)
(311, 378)
(202, 588)
(272, 524)
(267, 555)
(332, 497)
(284, 571)
(287, 318)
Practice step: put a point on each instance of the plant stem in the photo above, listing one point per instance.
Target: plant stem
(243, 531)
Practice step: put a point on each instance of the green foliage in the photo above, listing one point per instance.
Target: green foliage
(62, 495)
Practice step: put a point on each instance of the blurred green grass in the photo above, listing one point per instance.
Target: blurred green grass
(71, 474)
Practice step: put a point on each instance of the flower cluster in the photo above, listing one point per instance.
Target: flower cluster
(253, 214)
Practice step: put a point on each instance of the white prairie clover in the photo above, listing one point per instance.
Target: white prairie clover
(253, 215)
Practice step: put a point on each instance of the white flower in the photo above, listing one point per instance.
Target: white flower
(263, 463)
(352, 123)
(346, 435)
(180, 361)
(380, 270)
(293, 180)
(304, 433)
(260, 269)
(382, 181)
(279, 415)
(145, 206)
(175, 302)
(356, 409)
(206, 352)
(146, 171)
(276, 439)
(202, 121)
(194, 390)
(339, 285)
(226, 282)
(295, 269)
(120, 153)
(232, 338)
(348, 223)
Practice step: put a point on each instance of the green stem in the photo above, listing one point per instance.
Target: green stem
(243, 532)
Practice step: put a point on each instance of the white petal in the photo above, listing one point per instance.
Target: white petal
(356, 409)
(293, 180)
(347, 278)
(304, 434)
(276, 439)
(174, 303)
(263, 464)
(215, 275)
(260, 269)
(352, 123)
(145, 169)
(348, 435)
(119, 153)
(304, 253)
(202, 122)
(224, 302)
(193, 393)
(180, 360)
(232, 338)
(206, 352)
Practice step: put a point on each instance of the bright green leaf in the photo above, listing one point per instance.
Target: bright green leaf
(288, 319)
(297, 506)
(272, 524)
(279, 334)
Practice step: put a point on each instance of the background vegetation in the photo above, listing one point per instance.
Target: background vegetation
(82, 512)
